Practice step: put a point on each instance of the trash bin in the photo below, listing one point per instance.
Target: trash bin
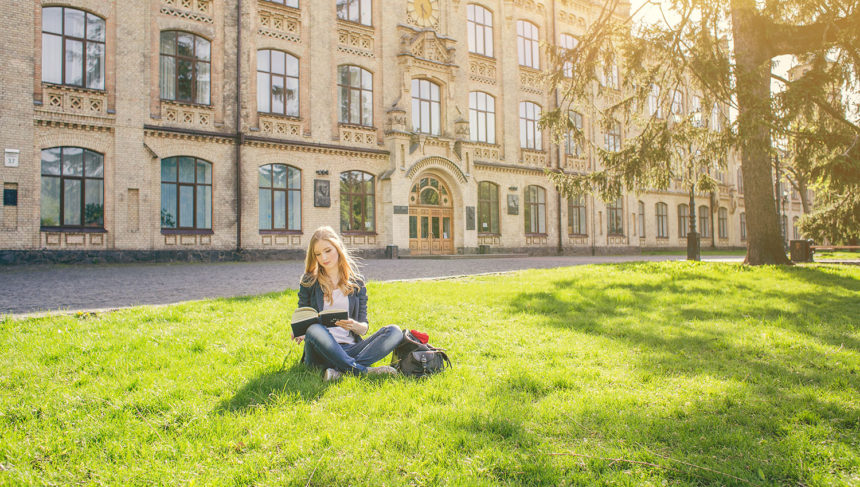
(800, 251)
(390, 251)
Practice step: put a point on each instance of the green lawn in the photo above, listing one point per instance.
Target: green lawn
(714, 252)
(836, 255)
(634, 374)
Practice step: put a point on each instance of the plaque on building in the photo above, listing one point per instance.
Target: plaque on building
(401, 210)
(11, 159)
(513, 204)
(470, 218)
(322, 195)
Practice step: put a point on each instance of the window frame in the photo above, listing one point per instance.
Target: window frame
(346, 199)
(473, 26)
(704, 221)
(528, 44)
(287, 190)
(723, 222)
(661, 210)
(566, 43)
(362, 7)
(286, 77)
(613, 135)
(577, 216)
(434, 107)
(490, 206)
(615, 217)
(195, 185)
(683, 220)
(286, 3)
(536, 208)
(527, 122)
(477, 114)
(84, 41)
(360, 89)
(194, 63)
(572, 147)
(61, 197)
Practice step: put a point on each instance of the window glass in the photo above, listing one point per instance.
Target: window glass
(72, 187)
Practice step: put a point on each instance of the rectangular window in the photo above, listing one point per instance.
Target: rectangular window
(480, 30)
(615, 213)
(571, 146)
(576, 216)
(358, 11)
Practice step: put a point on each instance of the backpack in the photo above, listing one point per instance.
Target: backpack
(415, 359)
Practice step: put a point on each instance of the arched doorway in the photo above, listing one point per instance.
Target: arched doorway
(431, 217)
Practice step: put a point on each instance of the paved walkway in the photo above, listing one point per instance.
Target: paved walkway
(31, 289)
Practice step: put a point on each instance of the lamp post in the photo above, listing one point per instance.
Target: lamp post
(693, 252)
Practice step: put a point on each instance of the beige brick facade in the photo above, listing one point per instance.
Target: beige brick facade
(135, 129)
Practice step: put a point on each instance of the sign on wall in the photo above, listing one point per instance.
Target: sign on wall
(322, 194)
(12, 157)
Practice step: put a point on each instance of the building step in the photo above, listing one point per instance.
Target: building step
(462, 256)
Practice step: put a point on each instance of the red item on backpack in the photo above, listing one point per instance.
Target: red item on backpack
(422, 337)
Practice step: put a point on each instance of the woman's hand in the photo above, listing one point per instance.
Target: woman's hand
(347, 324)
(297, 339)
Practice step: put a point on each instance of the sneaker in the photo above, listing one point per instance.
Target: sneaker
(382, 370)
(331, 375)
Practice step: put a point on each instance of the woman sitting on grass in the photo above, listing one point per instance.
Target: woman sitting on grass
(332, 281)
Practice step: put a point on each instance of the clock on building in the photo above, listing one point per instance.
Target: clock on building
(424, 12)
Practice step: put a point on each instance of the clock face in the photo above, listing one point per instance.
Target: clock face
(424, 12)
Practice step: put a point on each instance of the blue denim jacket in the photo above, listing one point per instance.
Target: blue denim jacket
(314, 297)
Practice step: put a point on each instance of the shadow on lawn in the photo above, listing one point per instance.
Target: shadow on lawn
(297, 382)
(777, 391)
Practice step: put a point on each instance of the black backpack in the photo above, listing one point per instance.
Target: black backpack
(415, 359)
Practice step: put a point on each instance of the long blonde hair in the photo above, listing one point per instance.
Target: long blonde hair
(350, 278)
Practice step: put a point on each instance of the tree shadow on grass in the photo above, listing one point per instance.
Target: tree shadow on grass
(297, 382)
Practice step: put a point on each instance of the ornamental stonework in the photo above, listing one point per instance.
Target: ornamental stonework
(196, 10)
(190, 116)
(486, 152)
(280, 127)
(357, 135)
(279, 25)
(67, 99)
(534, 158)
(355, 39)
(531, 81)
(482, 70)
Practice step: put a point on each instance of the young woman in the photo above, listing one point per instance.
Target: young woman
(331, 280)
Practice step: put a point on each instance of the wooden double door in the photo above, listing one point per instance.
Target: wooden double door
(431, 218)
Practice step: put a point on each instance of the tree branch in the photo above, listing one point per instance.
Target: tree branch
(801, 39)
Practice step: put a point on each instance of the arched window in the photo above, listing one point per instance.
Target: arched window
(186, 193)
(277, 83)
(641, 223)
(567, 42)
(480, 30)
(677, 102)
(683, 220)
(184, 67)
(72, 193)
(723, 222)
(482, 117)
(280, 190)
(571, 146)
(357, 202)
(704, 221)
(612, 138)
(535, 209)
(530, 132)
(488, 208)
(358, 11)
(355, 93)
(662, 212)
(576, 216)
(615, 212)
(743, 226)
(73, 48)
(654, 109)
(426, 109)
(528, 42)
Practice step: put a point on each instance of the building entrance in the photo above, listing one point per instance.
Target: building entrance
(431, 217)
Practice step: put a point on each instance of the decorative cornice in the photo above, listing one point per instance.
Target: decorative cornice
(509, 168)
(440, 162)
(331, 149)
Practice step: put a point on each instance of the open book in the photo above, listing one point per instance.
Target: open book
(306, 316)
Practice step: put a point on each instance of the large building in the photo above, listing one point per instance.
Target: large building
(223, 125)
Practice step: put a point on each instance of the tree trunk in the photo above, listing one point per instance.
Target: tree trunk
(765, 244)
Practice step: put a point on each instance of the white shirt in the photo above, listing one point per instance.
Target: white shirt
(339, 301)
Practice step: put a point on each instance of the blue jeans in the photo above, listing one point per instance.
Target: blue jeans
(321, 349)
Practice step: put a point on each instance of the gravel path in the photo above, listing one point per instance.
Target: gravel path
(33, 289)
